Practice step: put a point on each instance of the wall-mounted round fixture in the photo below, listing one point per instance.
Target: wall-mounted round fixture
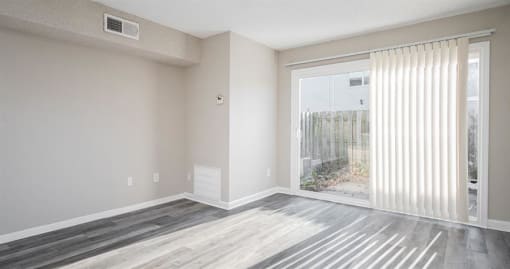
(219, 99)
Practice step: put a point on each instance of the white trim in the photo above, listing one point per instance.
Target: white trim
(484, 133)
(492, 224)
(333, 69)
(294, 130)
(255, 197)
(239, 202)
(483, 144)
(118, 211)
(84, 219)
(297, 75)
(332, 198)
(205, 200)
(499, 225)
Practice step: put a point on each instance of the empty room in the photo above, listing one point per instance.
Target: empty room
(255, 134)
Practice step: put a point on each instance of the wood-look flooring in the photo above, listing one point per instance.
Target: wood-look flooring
(280, 231)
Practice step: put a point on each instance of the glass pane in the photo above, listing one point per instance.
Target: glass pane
(315, 94)
(473, 75)
(473, 132)
(472, 127)
(335, 135)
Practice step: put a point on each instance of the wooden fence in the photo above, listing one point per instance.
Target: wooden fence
(334, 136)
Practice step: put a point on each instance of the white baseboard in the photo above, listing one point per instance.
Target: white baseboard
(207, 201)
(118, 211)
(238, 202)
(499, 225)
(492, 224)
(84, 219)
(255, 197)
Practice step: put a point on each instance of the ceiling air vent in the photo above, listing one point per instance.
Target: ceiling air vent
(120, 26)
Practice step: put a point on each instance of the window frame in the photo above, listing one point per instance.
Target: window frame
(483, 48)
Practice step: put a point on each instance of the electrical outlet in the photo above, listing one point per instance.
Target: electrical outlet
(155, 177)
(188, 176)
(130, 181)
(268, 172)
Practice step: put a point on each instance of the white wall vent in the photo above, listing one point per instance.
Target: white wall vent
(120, 26)
(207, 182)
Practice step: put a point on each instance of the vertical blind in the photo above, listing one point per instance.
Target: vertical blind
(418, 129)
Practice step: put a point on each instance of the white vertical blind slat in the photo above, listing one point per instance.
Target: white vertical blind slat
(443, 129)
(462, 198)
(399, 106)
(407, 206)
(428, 130)
(386, 127)
(421, 102)
(391, 129)
(452, 131)
(436, 153)
(414, 127)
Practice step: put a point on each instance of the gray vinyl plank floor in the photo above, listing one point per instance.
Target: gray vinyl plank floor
(280, 231)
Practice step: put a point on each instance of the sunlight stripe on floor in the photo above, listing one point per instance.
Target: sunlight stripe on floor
(386, 264)
(350, 251)
(425, 251)
(329, 249)
(317, 252)
(405, 258)
(374, 252)
(388, 251)
(430, 261)
(348, 262)
(318, 242)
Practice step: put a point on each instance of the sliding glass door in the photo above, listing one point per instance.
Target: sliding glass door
(334, 156)
(416, 129)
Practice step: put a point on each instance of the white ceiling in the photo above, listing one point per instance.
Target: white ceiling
(283, 24)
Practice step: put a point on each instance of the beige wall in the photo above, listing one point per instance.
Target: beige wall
(252, 117)
(75, 122)
(81, 21)
(499, 148)
(239, 137)
(207, 124)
